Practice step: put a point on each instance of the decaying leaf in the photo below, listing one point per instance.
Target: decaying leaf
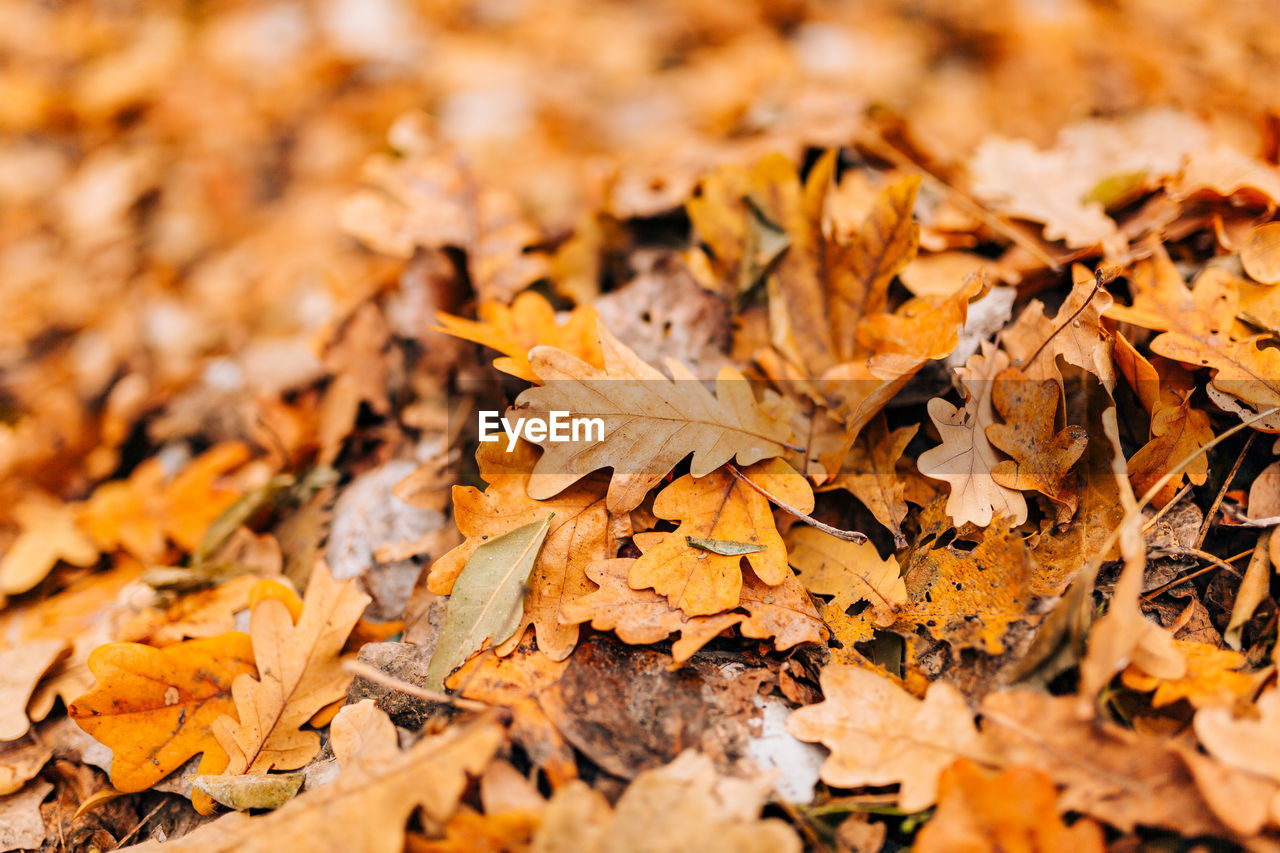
(530, 321)
(156, 708)
(242, 793)
(487, 600)
(966, 459)
(870, 474)
(847, 571)
(363, 810)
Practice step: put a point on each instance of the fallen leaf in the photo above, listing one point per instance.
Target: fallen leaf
(847, 571)
(242, 793)
(487, 600)
(155, 708)
(22, 826)
(299, 674)
(869, 473)
(21, 668)
(1250, 743)
(684, 805)
(49, 534)
(1260, 254)
(1211, 678)
(530, 321)
(879, 734)
(650, 422)
(966, 459)
(1254, 588)
(1041, 458)
(20, 763)
(1014, 809)
(719, 506)
(364, 811)
(581, 531)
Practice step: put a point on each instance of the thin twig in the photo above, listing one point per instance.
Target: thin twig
(1217, 501)
(846, 535)
(137, 826)
(1214, 563)
(1160, 513)
(1097, 285)
(377, 676)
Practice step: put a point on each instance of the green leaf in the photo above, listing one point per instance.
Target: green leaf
(724, 547)
(487, 599)
(270, 791)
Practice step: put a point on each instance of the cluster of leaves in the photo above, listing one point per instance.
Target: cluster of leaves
(918, 519)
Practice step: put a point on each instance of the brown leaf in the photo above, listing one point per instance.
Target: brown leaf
(870, 474)
(1260, 254)
(847, 571)
(299, 675)
(582, 531)
(21, 668)
(1041, 459)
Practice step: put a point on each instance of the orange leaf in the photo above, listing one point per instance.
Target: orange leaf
(155, 707)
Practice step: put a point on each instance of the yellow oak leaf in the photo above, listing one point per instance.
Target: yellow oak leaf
(1211, 678)
(581, 531)
(720, 507)
(156, 708)
(1041, 459)
(49, 534)
(847, 571)
(983, 811)
(530, 321)
(299, 674)
(650, 422)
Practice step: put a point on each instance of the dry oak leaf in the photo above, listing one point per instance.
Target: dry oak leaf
(22, 762)
(21, 668)
(970, 598)
(847, 571)
(965, 459)
(141, 514)
(530, 321)
(49, 534)
(1108, 772)
(582, 531)
(1250, 743)
(1041, 459)
(720, 506)
(1076, 334)
(879, 734)
(650, 422)
(925, 326)
(365, 809)
(1244, 802)
(641, 616)
(362, 360)
(1260, 254)
(683, 806)
(1211, 678)
(155, 708)
(299, 674)
(981, 811)
(1177, 429)
(869, 473)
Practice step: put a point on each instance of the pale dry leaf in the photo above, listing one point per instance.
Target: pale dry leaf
(21, 668)
(299, 674)
(879, 734)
